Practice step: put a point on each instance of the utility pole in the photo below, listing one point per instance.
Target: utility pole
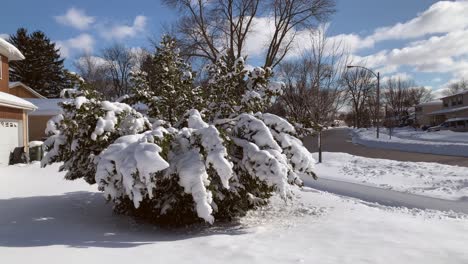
(378, 104)
(320, 145)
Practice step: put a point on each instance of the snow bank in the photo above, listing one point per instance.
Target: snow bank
(423, 178)
(367, 138)
(436, 136)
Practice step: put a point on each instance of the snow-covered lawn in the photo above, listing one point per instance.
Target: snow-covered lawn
(423, 178)
(437, 136)
(442, 143)
(45, 219)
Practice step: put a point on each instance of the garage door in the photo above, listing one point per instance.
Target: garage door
(9, 139)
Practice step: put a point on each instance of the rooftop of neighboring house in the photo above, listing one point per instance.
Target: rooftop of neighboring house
(46, 107)
(10, 51)
(31, 90)
(460, 93)
(431, 103)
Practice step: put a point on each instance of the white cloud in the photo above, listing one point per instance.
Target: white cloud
(81, 43)
(125, 31)
(75, 18)
(4, 36)
(400, 76)
(94, 60)
(441, 17)
(438, 54)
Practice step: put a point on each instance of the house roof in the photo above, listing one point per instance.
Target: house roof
(449, 110)
(31, 90)
(10, 51)
(460, 93)
(12, 101)
(435, 102)
(46, 107)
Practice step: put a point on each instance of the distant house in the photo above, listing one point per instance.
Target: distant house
(454, 106)
(46, 109)
(422, 113)
(14, 110)
(22, 90)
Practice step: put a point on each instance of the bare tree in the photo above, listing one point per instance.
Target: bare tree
(400, 95)
(457, 87)
(94, 71)
(120, 61)
(208, 28)
(314, 91)
(360, 88)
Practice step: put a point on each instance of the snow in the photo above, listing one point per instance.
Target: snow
(422, 178)
(130, 164)
(10, 51)
(436, 136)
(432, 103)
(46, 107)
(50, 220)
(79, 101)
(34, 144)
(441, 143)
(449, 110)
(15, 102)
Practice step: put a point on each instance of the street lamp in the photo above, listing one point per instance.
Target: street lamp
(378, 92)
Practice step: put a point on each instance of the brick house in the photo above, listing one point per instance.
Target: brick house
(13, 110)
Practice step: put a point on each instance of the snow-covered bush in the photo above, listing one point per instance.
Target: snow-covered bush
(86, 127)
(188, 165)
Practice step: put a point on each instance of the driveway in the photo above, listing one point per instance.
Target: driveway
(339, 140)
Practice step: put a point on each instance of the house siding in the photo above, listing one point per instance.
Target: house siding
(21, 92)
(37, 127)
(11, 113)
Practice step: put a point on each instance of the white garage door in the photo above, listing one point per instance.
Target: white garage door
(9, 139)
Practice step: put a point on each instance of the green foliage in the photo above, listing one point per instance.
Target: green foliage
(169, 91)
(42, 69)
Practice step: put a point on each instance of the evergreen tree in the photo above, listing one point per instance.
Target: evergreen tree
(43, 68)
(167, 85)
(214, 164)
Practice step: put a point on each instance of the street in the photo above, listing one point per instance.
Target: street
(339, 140)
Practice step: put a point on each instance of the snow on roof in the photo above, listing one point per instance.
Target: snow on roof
(460, 93)
(12, 101)
(46, 107)
(457, 119)
(435, 102)
(31, 90)
(449, 110)
(10, 51)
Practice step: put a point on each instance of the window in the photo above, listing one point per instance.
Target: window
(445, 103)
(461, 123)
(460, 99)
(454, 101)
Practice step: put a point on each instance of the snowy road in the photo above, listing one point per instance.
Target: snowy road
(386, 197)
(339, 140)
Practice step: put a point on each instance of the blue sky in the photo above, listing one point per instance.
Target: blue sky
(411, 39)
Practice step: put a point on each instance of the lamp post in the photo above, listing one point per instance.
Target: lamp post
(377, 75)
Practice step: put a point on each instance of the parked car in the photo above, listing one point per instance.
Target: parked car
(459, 124)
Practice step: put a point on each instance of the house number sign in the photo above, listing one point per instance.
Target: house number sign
(8, 124)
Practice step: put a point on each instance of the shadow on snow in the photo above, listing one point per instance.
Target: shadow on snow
(84, 219)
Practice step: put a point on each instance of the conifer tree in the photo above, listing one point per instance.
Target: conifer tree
(169, 90)
(43, 68)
